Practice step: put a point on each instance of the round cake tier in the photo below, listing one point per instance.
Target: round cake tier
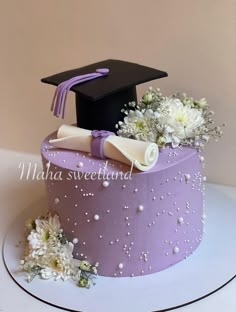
(130, 223)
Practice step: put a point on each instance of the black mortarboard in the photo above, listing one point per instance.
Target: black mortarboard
(99, 101)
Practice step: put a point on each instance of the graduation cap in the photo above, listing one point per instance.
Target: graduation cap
(101, 90)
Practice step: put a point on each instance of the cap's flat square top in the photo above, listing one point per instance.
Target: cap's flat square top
(122, 75)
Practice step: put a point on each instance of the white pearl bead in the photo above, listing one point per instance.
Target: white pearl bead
(140, 208)
(120, 265)
(201, 158)
(56, 200)
(181, 220)
(96, 217)
(80, 164)
(204, 179)
(176, 249)
(75, 240)
(105, 184)
(187, 177)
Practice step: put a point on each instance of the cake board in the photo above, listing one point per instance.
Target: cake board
(211, 267)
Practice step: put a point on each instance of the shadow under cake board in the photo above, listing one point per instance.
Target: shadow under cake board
(191, 280)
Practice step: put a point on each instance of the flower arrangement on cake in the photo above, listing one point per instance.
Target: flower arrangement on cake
(176, 120)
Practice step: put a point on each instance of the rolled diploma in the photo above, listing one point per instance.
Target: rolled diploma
(143, 155)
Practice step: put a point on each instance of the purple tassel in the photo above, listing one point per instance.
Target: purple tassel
(60, 96)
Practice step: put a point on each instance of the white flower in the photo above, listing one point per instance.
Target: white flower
(56, 262)
(45, 233)
(140, 126)
(59, 261)
(182, 119)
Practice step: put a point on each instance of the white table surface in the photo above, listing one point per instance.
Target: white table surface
(18, 194)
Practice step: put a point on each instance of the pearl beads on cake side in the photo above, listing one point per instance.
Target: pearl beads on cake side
(75, 240)
(181, 220)
(120, 266)
(80, 164)
(96, 217)
(105, 183)
(140, 208)
(56, 201)
(187, 177)
(176, 250)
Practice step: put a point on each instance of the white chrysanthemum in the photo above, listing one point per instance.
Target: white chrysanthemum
(182, 119)
(140, 126)
(56, 262)
(59, 263)
(45, 233)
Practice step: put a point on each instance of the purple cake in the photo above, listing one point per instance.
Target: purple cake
(124, 185)
(134, 226)
(120, 206)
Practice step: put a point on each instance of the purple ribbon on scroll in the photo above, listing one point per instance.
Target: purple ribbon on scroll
(60, 95)
(97, 144)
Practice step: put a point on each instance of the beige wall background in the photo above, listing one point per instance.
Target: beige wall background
(194, 41)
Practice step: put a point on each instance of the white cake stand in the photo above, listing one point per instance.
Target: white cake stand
(211, 267)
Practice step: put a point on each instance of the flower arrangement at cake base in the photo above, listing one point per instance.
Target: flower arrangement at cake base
(48, 254)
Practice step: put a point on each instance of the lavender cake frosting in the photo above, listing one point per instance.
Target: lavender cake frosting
(130, 223)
